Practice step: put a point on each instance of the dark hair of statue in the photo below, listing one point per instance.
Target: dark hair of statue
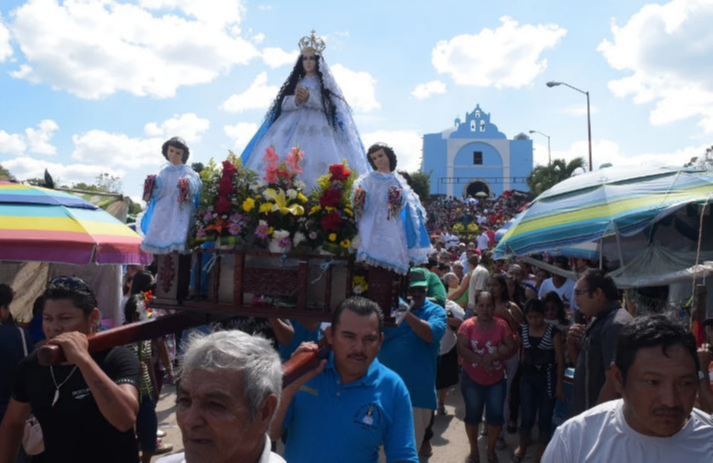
(289, 87)
(652, 331)
(389, 154)
(177, 143)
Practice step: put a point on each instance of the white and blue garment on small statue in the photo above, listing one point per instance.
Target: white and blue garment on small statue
(391, 242)
(166, 222)
(307, 127)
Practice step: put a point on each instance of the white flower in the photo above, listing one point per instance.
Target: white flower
(300, 185)
(299, 237)
(280, 234)
(292, 194)
(313, 235)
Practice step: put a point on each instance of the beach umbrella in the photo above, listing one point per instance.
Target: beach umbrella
(616, 202)
(43, 225)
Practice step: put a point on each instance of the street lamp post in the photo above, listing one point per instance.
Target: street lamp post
(589, 120)
(549, 152)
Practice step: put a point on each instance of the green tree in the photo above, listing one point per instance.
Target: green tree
(5, 175)
(705, 161)
(421, 184)
(542, 178)
(104, 183)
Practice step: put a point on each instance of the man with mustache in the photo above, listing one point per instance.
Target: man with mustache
(656, 370)
(350, 405)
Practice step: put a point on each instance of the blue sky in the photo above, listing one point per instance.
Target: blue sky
(92, 86)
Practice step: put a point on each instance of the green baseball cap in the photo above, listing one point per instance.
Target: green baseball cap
(417, 278)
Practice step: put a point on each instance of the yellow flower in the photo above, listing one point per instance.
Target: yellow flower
(265, 208)
(348, 211)
(315, 209)
(248, 205)
(332, 237)
(345, 244)
(301, 198)
(270, 230)
(329, 209)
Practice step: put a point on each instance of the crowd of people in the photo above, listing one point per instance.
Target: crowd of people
(503, 331)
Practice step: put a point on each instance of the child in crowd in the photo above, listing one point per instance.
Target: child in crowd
(541, 377)
(485, 343)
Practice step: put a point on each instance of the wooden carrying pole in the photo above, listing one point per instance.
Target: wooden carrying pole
(292, 369)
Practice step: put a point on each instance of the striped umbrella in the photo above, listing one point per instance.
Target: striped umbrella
(592, 206)
(38, 224)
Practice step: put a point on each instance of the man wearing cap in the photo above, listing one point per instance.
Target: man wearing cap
(411, 350)
(435, 290)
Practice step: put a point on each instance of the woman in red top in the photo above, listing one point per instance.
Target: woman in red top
(484, 342)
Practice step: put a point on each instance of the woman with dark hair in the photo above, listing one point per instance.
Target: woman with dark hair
(146, 421)
(309, 112)
(555, 313)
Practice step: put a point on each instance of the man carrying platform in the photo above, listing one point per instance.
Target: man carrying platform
(354, 403)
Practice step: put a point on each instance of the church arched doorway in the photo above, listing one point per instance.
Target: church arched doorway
(477, 187)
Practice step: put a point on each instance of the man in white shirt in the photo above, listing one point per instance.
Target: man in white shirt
(483, 240)
(657, 372)
(564, 287)
(229, 390)
(478, 280)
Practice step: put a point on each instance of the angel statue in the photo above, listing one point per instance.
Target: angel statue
(309, 112)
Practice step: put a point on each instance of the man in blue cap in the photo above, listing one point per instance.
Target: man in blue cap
(411, 350)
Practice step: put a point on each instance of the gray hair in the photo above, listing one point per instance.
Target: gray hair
(235, 351)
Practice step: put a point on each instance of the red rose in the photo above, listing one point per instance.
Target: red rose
(339, 172)
(330, 198)
(331, 222)
(222, 206)
(229, 169)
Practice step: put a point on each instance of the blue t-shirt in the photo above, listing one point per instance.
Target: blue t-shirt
(354, 419)
(302, 334)
(413, 358)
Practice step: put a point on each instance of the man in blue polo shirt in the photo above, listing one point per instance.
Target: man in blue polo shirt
(411, 350)
(350, 405)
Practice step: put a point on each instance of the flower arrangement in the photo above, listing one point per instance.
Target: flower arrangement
(219, 217)
(395, 203)
(330, 223)
(149, 185)
(240, 209)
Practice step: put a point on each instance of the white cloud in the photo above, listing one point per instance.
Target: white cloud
(579, 110)
(264, 7)
(33, 140)
(258, 38)
(188, 126)
(666, 49)
(240, 133)
(218, 13)
(93, 49)
(258, 96)
(27, 167)
(359, 88)
(117, 149)
(607, 151)
(407, 145)
(423, 91)
(276, 57)
(5, 47)
(509, 56)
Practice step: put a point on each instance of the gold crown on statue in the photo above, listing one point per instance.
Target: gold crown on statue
(312, 43)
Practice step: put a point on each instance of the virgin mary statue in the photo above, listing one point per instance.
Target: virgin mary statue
(309, 112)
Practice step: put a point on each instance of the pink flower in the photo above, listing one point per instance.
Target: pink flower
(294, 159)
(271, 157)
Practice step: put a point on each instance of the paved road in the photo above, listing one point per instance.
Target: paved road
(450, 444)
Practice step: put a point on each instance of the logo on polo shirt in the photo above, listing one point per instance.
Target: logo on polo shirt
(368, 417)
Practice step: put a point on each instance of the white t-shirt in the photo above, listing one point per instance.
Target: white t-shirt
(478, 282)
(266, 457)
(483, 241)
(565, 292)
(601, 434)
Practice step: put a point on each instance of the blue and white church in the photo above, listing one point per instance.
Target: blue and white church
(474, 156)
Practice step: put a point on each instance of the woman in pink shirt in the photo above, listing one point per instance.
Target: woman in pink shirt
(484, 343)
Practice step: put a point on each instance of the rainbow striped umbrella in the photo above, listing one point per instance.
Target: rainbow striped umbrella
(38, 224)
(592, 206)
